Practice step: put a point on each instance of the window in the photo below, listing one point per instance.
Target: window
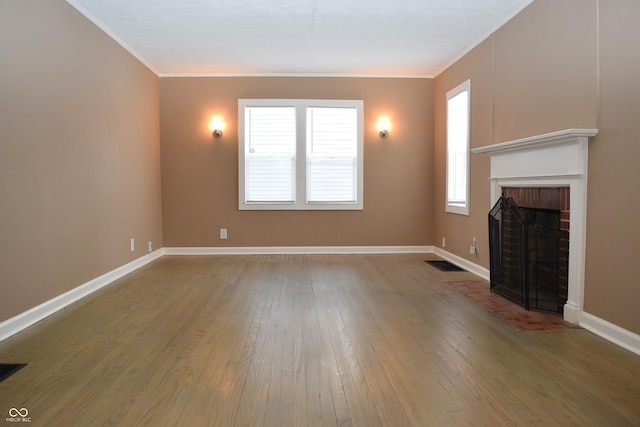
(300, 154)
(458, 137)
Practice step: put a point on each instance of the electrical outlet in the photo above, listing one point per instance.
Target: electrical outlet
(223, 234)
(472, 249)
(149, 246)
(444, 242)
(132, 244)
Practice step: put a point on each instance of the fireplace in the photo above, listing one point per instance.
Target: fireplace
(529, 247)
(557, 159)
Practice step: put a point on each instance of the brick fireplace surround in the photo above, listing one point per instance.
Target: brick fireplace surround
(555, 198)
(550, 198)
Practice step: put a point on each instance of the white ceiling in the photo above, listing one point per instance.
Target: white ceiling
(314, 37)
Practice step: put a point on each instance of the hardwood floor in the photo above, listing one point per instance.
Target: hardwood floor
(297, 340)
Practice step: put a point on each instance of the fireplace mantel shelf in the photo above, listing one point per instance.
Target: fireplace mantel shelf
(559, 154)
(538, 141)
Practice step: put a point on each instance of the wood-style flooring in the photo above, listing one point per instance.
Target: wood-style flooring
(308, 340)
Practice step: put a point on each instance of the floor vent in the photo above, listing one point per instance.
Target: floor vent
(444, 266)
(8, 369)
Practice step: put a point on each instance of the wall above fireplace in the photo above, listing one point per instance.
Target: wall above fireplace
(557, 159)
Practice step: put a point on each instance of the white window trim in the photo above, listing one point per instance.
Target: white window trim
(301, 154)
(451, 207)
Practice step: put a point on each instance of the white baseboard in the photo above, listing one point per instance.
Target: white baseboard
(24, 320)
(280, 250)
(610, 332)
(476, 269)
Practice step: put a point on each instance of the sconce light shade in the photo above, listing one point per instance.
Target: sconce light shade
(383, 126)
(216, 126)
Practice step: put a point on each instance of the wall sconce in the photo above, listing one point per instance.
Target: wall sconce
(216, 125)
(383, 126)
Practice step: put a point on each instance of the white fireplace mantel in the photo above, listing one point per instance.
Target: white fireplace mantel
(557, 159)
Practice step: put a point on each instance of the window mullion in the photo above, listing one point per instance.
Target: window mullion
(301, 155)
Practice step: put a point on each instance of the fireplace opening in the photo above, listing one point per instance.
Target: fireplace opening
(529, 247)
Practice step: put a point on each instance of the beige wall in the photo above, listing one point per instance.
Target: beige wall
(545, 70)
(539, 74)
(79, 153)
(200, 174)
(613, 205)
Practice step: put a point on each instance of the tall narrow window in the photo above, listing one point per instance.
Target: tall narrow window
(458, 140)
(300, 154)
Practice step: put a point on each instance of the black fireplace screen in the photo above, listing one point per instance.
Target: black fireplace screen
(529, 256)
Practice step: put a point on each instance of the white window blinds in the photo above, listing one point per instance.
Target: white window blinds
(331, 154)
(270, 157)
